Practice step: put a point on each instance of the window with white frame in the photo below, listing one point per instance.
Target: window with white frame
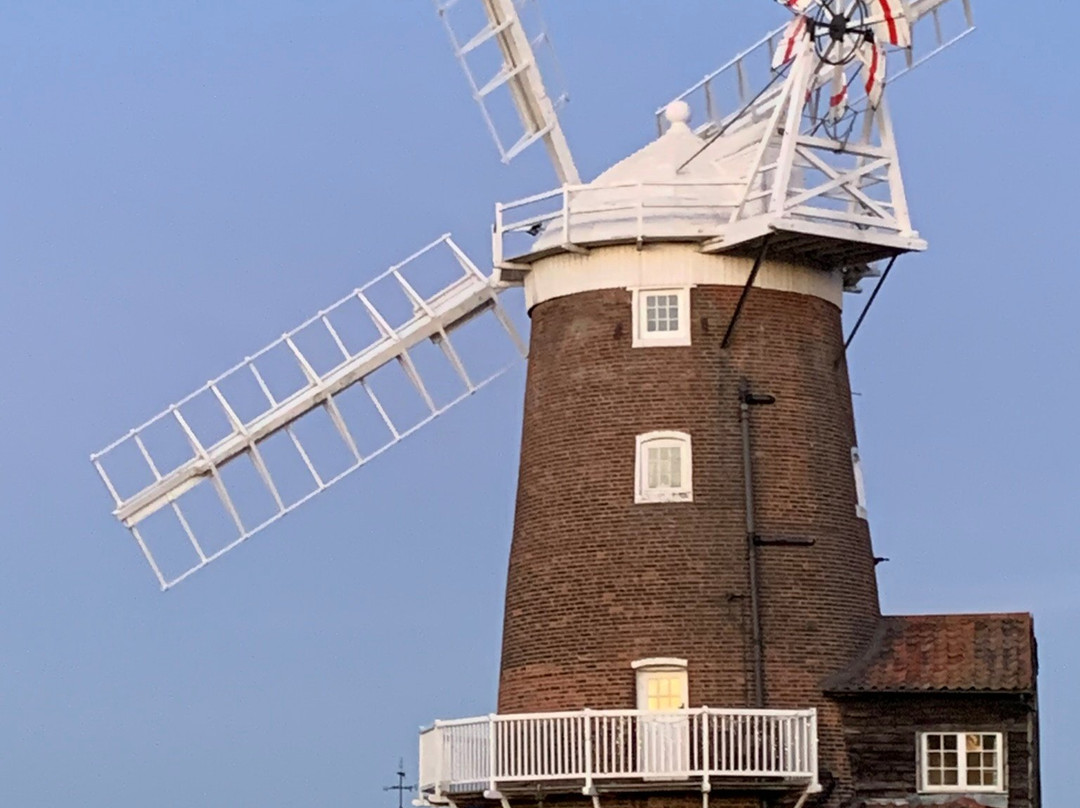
(860, 484)
(962, 761)
(661, 684)
(664, 468)
(661, 317)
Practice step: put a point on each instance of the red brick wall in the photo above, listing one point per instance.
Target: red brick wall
(596, 581)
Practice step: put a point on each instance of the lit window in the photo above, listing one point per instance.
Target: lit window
(664, 468)
(661, 684)
(661, 317)
(860, 485)
(962, 761)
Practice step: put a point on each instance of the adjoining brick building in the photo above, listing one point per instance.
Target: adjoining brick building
(692, 612)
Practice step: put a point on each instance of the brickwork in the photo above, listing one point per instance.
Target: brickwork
(596, 581)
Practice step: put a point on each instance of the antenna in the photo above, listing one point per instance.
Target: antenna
(514, 67)
(400, 788)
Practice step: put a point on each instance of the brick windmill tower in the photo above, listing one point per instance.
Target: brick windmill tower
(692, 613)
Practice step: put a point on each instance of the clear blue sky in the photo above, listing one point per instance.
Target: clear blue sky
(181, 181)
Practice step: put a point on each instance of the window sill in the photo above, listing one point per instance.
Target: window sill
(677, 341)
(667, 496)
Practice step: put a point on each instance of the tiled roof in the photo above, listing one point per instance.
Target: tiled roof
(969, 652)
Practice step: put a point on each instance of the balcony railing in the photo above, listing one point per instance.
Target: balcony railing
(610, 212)
(583, 750)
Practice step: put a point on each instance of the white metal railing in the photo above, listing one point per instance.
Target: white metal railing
(586, 747)
(575, 216)
(625, 210)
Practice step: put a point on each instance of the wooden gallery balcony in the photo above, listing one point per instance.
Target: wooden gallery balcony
(611, 751)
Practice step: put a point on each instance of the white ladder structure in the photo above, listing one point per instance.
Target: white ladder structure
(397, 331)
(501, 24)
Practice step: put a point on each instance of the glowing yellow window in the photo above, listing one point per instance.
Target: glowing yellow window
(664, 692)
(661, 684)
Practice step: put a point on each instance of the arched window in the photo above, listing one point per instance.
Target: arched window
(664, 468)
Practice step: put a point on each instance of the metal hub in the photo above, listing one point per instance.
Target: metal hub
(838, 31)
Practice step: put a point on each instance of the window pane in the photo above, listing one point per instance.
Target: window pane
(951, 760)
(933, 741)
(935, 759)
(664, 467)
(934, 777)
(948, 741)
(950, 777)
(989, 741)
(661, 313)
(974, 759)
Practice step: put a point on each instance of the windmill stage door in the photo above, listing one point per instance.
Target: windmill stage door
(663, 733)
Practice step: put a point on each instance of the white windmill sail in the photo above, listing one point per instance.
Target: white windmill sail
(498, 43)
(264, 415)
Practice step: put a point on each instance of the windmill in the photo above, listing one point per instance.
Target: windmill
(839, 197)
(691, 528)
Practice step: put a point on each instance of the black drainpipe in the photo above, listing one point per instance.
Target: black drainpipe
(746, 401)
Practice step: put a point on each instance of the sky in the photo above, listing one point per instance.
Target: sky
(182, 181)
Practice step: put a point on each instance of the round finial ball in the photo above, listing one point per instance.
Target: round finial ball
(677, 112)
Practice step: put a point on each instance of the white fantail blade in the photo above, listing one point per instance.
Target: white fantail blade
(798, 6)
(838, 94)
(290, 421)
(499, 56)
(889, 22)
(875, 66)
(794, 34)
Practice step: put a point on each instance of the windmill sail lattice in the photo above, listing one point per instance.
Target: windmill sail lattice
(267, 403)
(498, 43)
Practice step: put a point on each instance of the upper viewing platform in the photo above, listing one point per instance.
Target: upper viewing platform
(821, 184)
(719, 193)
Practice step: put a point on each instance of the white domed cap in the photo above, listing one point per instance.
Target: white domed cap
(678, 113)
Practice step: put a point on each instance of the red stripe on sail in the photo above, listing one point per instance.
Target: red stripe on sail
(799, 25)
(890, 20)
(872, 80)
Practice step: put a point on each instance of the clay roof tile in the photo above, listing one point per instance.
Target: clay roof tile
(956, 652)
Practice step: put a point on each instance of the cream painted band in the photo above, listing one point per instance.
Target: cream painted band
(669, 265)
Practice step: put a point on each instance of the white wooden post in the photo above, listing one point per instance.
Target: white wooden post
(704, 759)
(491, 752)
(588, 751)
(440, 746)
